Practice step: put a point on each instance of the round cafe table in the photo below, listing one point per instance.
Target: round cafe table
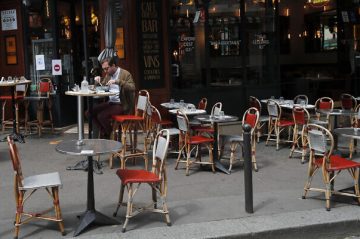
(89, 148)
(215, 120)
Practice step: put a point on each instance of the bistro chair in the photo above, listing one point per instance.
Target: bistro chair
(188, 143)
(301, 98)
(326, 104)
(44, 88)
(208, 129)
(19, 95)
(251, 117)
(201, 106)
(25, 187)
(263, 119)
(128, 125)
(156, 179)
(301, 118)
(348, 102)
(355, 124)
(155, 125)
(277, 123)
(321, 143)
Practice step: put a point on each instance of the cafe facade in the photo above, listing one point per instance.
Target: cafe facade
(225, 50)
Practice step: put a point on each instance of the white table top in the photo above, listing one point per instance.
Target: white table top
(217, 119)
(12, 83)
(175, 105)
(91, 147)
(348, 132)
(89, 93)
(289, 104)
(189, 111)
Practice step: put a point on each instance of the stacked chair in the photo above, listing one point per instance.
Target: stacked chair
(263, 119)
(251, 117)
(321, 143)
(277, 123)
(128, 125)
(156, 179)
(301, 118)
(189, 144)
(25, 187)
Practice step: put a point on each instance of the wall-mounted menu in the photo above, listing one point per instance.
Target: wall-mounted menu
(150, 45)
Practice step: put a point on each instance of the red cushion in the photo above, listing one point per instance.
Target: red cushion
(122, 118)
(285, 123)
(8, 97)
(136, 176)
(337, 163)
(325, 105)
(250, 119)
(199, 139)
(347, 103)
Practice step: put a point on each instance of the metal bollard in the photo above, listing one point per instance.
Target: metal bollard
(248, 169)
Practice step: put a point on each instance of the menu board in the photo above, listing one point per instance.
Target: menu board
(150, 45)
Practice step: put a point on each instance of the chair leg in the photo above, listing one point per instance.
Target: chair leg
(154, 199)
(55, 193)
(121, 196)
(17, 117)
(277, 132)
(129, 206)
(211, 157)
(356, 184)
(188, 152)
(253, 157)
(232, 155)
(19, 210)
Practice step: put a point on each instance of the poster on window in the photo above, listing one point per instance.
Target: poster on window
(8, 20)
(150, 44)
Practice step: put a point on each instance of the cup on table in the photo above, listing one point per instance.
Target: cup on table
(172, 101)
(302, 103)
(221, 114)
(182, 103)
(272, 97)
(281, 100)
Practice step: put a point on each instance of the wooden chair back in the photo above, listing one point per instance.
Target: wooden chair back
(324, 103)
(348, 102)
(14, 155)
(321, 141)
(142, 103)
(300, 115)
(299, 98)
(254, 102)
(160, 149)
(251, 117)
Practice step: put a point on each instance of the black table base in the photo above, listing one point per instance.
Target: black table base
(93, 217)
(16, 137)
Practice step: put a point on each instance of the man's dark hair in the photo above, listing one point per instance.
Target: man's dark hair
(110, 60)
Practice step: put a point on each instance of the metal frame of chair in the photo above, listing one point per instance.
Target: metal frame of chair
(156, 179)
(299, 98)
(321, 143)
(348, 102)
(128, 126)
(25, 187)
(301, 118)
(323, 103)
(189, 143)
(276, 123)
(263, 119)
(251, 117)
(44, 88)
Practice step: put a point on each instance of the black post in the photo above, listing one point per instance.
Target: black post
(248, 169)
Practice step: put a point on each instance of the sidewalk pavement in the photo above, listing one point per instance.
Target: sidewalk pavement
(202, 205)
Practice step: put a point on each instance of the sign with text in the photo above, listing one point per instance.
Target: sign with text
(56, 67)
(8, 20)
(150, 45)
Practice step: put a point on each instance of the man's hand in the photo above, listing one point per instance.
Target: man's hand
(97, 79)
(110, 82)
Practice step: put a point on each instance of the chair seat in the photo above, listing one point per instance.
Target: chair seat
(136, 176)
(42, 180)
(199, 139)
(8, 97)
(285, 122)
(338, 163)
(122, 118)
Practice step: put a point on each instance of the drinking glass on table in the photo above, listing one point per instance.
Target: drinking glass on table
(172, 101)
(302, 103)
(182, 104)
(221, 114)
(281, 100)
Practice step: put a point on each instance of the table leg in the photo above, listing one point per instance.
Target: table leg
(216, 159)
(16, 136)
(91, 216)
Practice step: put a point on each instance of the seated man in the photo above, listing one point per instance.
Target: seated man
(120, 82)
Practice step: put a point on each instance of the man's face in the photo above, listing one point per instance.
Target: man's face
(110, 70)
